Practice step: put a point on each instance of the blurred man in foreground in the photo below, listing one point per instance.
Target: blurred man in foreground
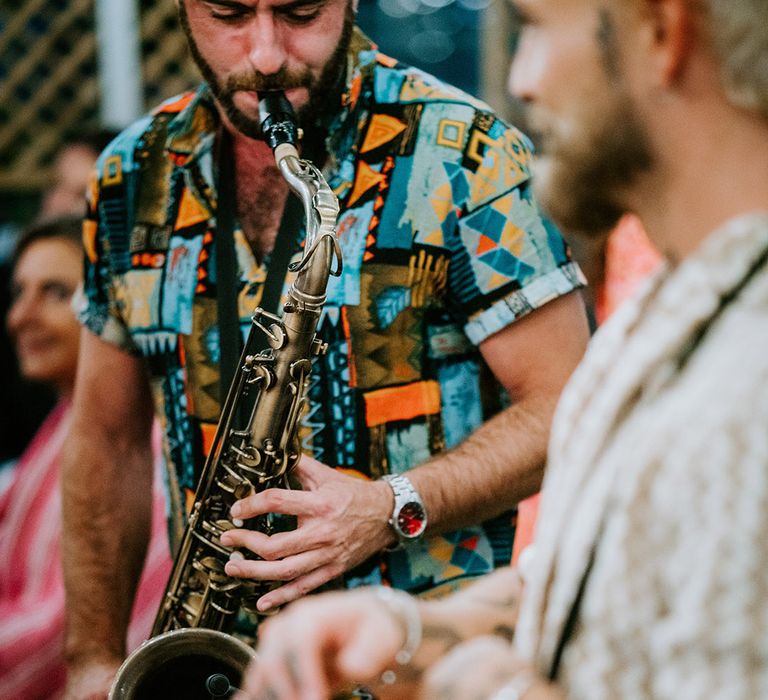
(649, 575)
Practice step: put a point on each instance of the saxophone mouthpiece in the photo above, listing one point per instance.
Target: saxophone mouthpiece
(278, 120)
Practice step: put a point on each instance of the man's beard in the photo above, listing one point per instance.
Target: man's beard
(585, 170)
(324, 93)
(579, 180)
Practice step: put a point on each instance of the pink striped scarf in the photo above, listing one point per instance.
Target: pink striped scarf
(31, 580)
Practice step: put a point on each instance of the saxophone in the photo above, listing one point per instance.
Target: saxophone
(191, 652)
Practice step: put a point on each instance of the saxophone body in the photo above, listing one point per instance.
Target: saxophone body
(255, 447)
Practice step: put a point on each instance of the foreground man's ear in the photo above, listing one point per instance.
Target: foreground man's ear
(670, 32)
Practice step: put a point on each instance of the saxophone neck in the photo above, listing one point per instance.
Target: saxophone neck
(321, 207)
(279, 126)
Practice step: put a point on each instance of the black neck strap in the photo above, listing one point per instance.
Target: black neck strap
(227, 282)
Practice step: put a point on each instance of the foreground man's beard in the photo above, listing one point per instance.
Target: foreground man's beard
(324, 93)
(592, 158)
(580, 177)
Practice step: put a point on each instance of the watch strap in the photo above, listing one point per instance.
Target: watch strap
(404, 493)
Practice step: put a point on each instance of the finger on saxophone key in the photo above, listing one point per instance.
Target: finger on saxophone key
(231, 567)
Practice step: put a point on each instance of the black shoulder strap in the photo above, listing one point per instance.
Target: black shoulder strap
(226, 282)
(573, 616)
(280, 257)
(230, 337)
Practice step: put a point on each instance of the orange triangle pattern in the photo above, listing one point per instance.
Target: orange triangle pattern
(442, 201)
(202, 272)
(382, 129)
(381, 180)
(176, 105)
(441, 549)
(485, 244)
(496, 280)
(513, 239)
(191, 212)
(366, 178)
(354, 92)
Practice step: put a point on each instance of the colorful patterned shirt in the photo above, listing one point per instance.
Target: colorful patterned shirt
(443, 245)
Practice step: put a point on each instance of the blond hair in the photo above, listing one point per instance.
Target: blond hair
(739, 33)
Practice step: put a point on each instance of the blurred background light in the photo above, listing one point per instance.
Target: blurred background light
(432, 46)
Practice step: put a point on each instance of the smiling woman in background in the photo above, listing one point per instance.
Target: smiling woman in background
(47, 269)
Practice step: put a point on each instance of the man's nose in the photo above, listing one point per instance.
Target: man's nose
(525, 71)
(267, 51)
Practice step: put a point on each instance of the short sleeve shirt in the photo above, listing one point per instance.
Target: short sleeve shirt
(443, 245)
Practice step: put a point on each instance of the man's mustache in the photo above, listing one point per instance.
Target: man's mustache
(538, 127)
(257, 82)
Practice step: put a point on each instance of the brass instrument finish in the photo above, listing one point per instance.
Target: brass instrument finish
(255, 446)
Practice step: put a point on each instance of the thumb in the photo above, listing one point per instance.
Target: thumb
(311, 473)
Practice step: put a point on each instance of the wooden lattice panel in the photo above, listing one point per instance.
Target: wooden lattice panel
(48, 77)
(168, 68)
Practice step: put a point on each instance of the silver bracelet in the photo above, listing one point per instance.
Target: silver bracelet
(515, 689)
(405, 609)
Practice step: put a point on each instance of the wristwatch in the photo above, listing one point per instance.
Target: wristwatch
(409, 516)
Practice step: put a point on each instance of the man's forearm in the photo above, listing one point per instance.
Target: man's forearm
(502, 462)
(107, 515)
(496, 467)
(465, 625)
(488, 606)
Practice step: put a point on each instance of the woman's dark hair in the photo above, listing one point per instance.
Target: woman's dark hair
(69, 228)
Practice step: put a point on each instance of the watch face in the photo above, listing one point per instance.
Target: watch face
(411, 520)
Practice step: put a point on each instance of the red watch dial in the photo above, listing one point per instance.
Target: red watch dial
(411, 519)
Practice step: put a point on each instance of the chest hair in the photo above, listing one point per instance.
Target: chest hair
(261, 196)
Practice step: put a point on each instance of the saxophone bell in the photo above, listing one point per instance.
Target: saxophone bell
(191, 663)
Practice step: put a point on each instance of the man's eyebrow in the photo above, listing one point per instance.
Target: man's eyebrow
(233, 4)
(297, 4)
(287, 7)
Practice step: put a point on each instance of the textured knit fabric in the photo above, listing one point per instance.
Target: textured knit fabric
(443, 245)
(659, 471)
(31, 578)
